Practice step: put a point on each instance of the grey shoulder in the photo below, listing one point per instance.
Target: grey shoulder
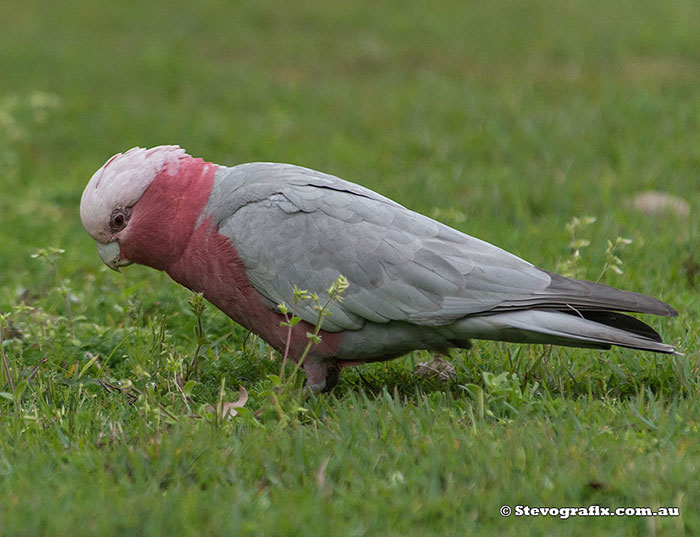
(276, 175)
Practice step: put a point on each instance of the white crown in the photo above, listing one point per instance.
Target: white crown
(121, 182)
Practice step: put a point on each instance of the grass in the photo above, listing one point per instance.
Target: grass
(504, 119)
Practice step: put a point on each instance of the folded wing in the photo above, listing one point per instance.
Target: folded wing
(294, 226)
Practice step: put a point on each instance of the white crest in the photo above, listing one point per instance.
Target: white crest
(121, 182)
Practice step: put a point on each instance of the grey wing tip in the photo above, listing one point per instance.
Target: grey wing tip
(584, 293)
(657, 307)
(663, 309)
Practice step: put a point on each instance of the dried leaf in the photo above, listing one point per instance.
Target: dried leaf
(228, 408)
(437, 367)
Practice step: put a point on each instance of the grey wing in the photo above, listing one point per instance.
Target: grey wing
(293, 226)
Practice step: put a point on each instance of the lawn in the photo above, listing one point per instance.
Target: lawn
(504, 119)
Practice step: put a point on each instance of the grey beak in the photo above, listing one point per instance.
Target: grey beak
(110, 255)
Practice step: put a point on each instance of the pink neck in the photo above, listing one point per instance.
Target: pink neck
(163, 220)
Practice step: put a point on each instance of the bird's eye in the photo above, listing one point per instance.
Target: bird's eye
(119, 218)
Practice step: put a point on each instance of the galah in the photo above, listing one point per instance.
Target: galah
(245, 236)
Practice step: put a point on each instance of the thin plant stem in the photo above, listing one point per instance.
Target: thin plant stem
(4, 359)
(66, 298)
(288, 343)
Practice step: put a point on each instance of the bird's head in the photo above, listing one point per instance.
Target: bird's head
(133, 205)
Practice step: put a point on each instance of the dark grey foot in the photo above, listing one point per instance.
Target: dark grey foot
(321, 375)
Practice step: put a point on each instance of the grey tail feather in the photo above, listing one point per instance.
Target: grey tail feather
(621, 322)
(634, 326)
(599, 330)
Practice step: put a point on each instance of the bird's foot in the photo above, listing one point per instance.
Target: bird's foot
(321, 375)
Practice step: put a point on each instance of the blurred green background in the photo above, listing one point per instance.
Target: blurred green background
(505, 119)
(530, 112)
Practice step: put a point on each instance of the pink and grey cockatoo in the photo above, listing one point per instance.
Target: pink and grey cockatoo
(245, 235)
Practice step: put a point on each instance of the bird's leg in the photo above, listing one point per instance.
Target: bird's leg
(321, 374)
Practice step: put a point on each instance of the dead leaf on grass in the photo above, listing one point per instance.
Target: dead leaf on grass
(228, 408)
(438, 367)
